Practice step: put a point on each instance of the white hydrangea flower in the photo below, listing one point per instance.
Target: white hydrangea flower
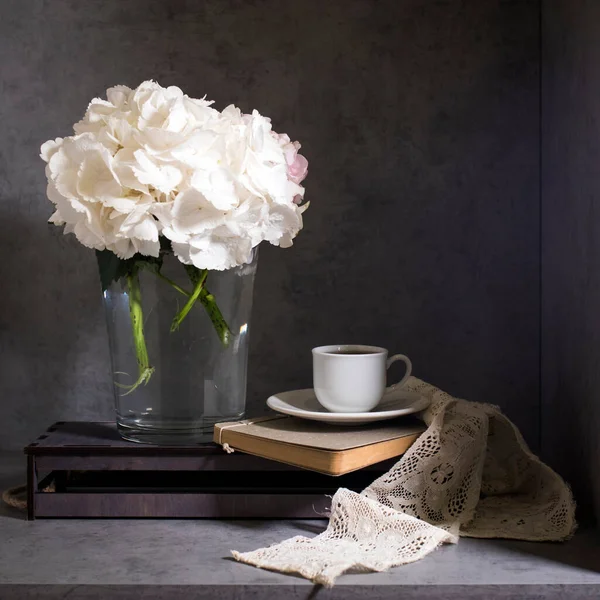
(153, 162)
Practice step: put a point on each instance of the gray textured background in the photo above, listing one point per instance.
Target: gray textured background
(571, 273)
(421, 124)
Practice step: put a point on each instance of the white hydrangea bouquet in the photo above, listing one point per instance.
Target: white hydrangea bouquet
(152, 171)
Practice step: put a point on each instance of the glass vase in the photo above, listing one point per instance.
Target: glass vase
(196, 380)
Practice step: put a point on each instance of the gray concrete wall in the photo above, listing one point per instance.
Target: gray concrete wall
(420, 122)
(571, 245)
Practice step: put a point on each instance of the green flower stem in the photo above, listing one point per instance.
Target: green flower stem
(207, 300)
(173, 284)
(210, 306)
(198, 285)
(137, 327)
(218, 321)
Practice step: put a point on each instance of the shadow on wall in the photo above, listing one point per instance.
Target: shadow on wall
(53, 340)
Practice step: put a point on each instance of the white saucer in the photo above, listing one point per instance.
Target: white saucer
(304, 404)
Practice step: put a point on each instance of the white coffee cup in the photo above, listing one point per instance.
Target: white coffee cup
(352, 377)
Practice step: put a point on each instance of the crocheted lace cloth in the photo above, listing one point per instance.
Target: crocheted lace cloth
(469, 474)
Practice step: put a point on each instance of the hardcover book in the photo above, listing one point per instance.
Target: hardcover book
(328, 449)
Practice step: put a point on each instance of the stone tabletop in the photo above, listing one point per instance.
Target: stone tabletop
(190, 559)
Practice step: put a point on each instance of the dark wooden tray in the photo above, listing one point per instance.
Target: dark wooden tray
(86, 470)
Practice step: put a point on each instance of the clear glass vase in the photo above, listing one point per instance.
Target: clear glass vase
(196, 380)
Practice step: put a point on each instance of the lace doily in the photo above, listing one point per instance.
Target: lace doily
(469, 474)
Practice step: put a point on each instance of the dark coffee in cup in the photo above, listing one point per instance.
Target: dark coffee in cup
(352, 352)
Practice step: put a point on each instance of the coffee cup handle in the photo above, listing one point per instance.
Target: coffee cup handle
(404, 359)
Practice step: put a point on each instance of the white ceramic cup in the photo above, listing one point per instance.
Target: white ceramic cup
(352, 378)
